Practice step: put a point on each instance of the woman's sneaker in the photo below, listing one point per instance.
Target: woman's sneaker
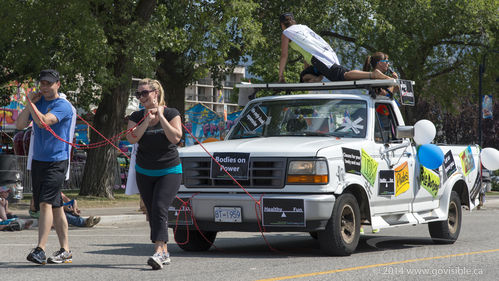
(61, 256)
(37, 255)
(158, 260)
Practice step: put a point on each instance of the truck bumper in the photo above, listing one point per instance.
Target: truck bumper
(317, 209)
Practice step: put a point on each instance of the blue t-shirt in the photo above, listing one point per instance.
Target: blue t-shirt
(46, 147)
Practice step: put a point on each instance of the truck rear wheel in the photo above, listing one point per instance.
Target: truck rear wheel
(447, 232)
(195, 241)
(341, 236)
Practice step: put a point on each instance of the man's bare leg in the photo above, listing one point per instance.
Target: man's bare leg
(44, 224)
(61, 227)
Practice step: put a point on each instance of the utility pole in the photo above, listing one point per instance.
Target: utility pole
(481, 70)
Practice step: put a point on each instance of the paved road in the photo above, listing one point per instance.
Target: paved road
(119, 252)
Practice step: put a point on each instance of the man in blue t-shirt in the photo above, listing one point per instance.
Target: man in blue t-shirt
(50, 162)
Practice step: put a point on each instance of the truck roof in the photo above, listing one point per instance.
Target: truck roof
(248, 90)
(356, 84)
(359, 95)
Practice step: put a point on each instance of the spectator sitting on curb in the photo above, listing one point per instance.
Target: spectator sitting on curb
(486, 181)
(4, 194)
(8, 221)
(72, 213)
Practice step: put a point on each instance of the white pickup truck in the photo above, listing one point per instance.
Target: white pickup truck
(326, 163)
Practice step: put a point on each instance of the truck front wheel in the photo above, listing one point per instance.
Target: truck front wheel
(341, 236)
(193, 241)
(446, 232)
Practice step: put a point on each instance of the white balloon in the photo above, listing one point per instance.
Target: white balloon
(424, 132)
(490, 158)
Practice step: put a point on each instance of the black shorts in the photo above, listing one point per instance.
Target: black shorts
(334, 73)
(309, 70)
(47, 179)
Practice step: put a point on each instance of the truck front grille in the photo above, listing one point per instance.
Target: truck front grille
(263, 173)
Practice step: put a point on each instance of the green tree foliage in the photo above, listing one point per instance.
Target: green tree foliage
(201, 37)
(94, 45)
(439, 44)
(99, 45)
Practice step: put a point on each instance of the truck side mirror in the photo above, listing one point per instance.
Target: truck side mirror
(405, 132)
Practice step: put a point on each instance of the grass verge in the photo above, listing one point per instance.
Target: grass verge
(120, 200)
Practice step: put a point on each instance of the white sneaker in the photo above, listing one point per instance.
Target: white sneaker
(158, 260)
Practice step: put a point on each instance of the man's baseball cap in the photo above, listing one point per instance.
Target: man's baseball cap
(49, 75)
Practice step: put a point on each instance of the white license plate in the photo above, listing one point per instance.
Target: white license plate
(228, 214)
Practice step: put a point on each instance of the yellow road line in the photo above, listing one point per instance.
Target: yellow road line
(376, 265)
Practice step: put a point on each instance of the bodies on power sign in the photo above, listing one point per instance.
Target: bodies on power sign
(237, 164)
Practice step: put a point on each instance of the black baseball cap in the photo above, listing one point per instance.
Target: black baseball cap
(49, 75)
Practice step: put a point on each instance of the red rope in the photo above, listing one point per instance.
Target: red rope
(94, 145)
(185, 204)
(258, 209)
(221, 166)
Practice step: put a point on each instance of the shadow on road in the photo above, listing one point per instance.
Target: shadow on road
(282, 246)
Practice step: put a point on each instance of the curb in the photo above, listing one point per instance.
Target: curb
(105, 220)
(110, 220)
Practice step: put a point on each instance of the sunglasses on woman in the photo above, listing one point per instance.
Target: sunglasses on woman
(143, 93)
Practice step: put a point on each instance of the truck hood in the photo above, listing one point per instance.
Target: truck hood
(268, 147)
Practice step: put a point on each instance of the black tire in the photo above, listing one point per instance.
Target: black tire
(341, 236)
(195, 241)
(314, 235)
(447, 232)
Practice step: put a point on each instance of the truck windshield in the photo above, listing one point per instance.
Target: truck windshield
(312, 117)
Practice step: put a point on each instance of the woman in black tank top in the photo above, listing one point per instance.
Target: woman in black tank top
(158, 168)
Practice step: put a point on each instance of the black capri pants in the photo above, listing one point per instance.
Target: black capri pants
(335, 73)
(158, 194)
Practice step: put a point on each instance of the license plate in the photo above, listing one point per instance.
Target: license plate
(228, 214)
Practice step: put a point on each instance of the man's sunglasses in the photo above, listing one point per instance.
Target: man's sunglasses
(143, 93)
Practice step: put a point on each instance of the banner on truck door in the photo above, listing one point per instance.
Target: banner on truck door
(352, 160)
(386, 182)
(467, 161)
(369, 167)
(449, 164)
(430, 181)
(401, 179)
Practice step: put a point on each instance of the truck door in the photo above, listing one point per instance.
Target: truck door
(393, 187)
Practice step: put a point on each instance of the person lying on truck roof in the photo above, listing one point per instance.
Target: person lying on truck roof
(379, 61)
(317, 53)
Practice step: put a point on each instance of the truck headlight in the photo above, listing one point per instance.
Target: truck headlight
(308, 171)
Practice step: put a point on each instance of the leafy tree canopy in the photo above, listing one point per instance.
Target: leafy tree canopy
(99, 45)
(439, 44)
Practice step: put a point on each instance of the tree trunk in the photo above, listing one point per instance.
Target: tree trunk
(174, 73)
(101, 167)
(176, 98)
